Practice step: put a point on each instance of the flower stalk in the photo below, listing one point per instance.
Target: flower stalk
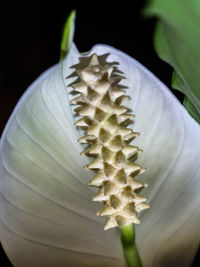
(129, 247)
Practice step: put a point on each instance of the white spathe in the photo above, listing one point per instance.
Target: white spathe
(47, 217)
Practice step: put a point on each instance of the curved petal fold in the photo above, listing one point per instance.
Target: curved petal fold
(47, 217)
(169, 230)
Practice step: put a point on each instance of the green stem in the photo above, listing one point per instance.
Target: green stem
(129, 247)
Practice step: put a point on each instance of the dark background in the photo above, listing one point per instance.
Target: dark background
(31, 34)
(30, 41)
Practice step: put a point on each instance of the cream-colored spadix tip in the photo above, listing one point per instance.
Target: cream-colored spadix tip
(105, 120)
(94, 60)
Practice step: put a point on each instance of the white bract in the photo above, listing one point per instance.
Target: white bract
(47, 217)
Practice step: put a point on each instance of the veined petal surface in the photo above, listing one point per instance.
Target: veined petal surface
(46, 213)
(169, 231)
(47, 217)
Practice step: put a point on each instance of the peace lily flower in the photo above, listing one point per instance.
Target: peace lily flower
(47, 217)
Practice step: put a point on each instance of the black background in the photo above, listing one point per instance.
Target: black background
(31, 34)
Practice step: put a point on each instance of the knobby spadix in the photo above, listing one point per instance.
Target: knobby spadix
(46, 213)
(104, 120)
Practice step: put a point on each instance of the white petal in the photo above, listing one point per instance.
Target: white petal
(46, 208)
(169, 231)
(47, 217)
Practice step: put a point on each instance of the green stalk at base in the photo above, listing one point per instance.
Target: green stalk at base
(129, 247)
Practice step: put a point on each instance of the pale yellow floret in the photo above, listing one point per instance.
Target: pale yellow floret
(105, 120)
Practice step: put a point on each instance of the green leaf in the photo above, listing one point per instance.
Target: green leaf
(178, 84)
(177, 41)
(68, 34)
(191, 109)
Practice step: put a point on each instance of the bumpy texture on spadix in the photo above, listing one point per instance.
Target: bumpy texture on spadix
(105, 120)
